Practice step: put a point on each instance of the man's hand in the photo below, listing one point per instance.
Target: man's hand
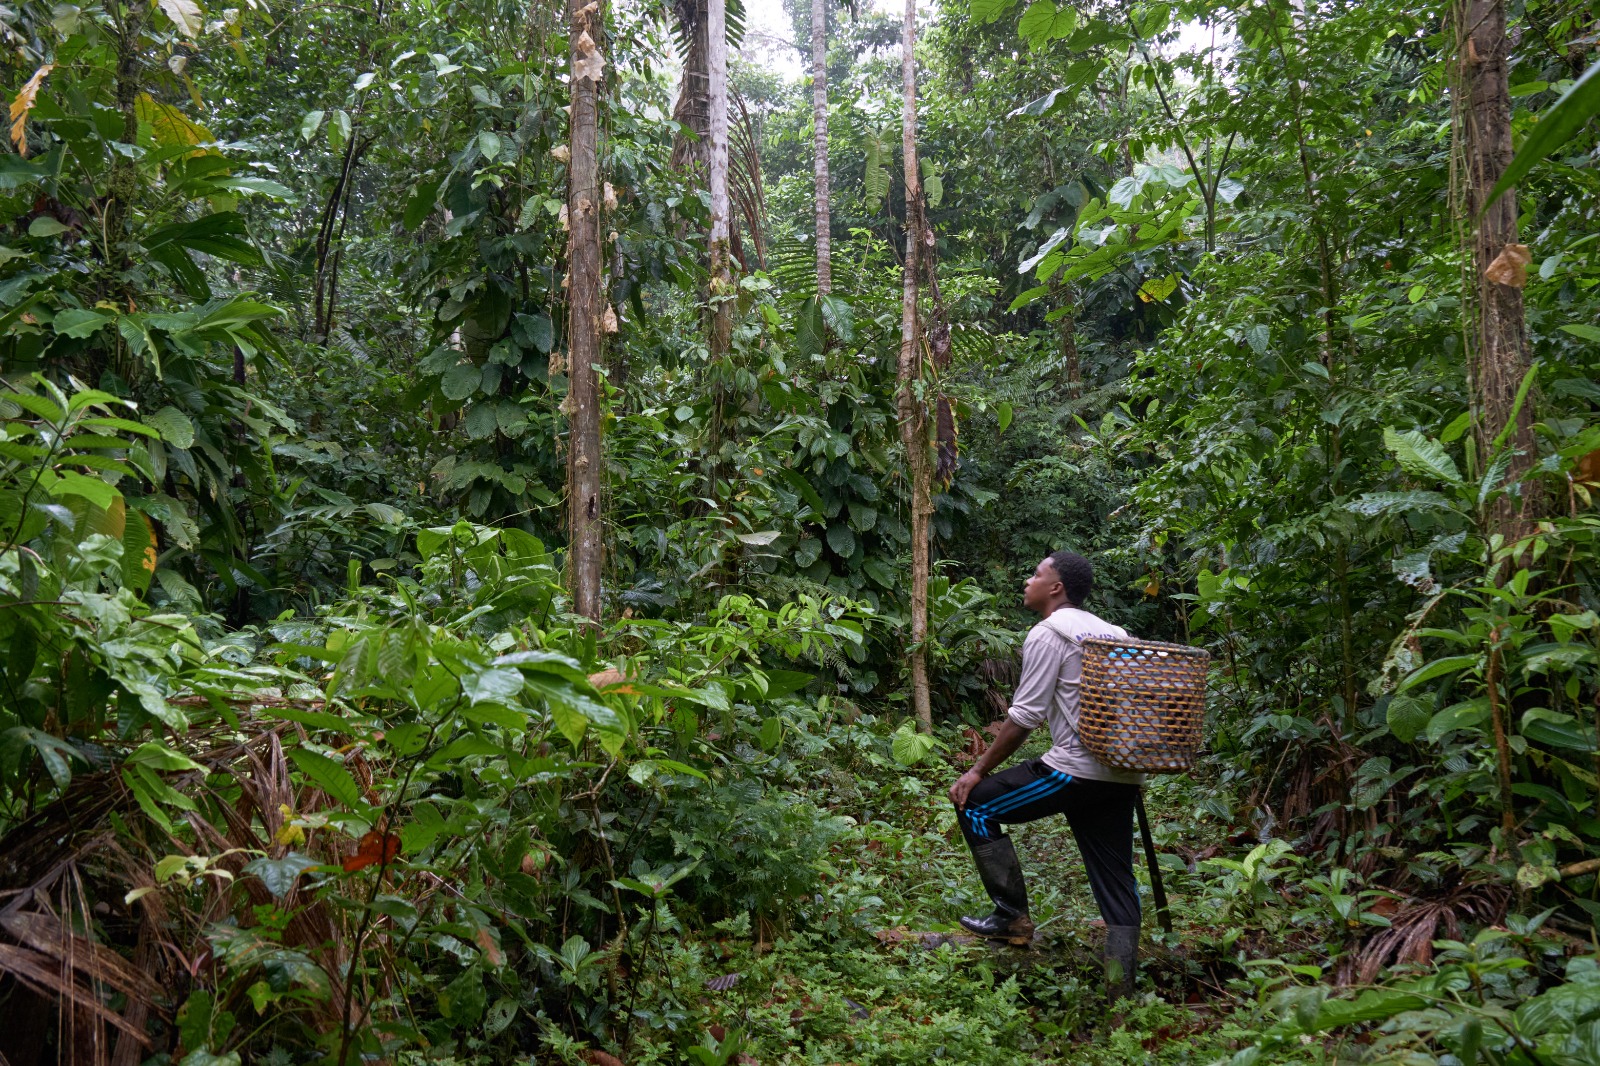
(963, 788)
(1006, 741)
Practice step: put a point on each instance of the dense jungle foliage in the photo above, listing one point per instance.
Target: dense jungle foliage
(308, 754)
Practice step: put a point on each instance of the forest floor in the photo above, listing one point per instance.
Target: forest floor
(878, 971)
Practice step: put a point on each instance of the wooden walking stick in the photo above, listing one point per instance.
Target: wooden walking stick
(1157, 889)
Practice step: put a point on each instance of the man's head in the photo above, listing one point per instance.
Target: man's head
(1062, 579)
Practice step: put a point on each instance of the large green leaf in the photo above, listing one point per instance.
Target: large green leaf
(279, 875)
(328, 775)
(800, 485)
(1372, 504)
(1421, 456)
(842, 540)
(1554, 129)
(460, 381)
(173, 425)
(1408, 716)
(1043, 22)
(989, 10)
(1438, 668)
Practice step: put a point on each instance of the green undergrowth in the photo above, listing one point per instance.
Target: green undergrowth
(874, 968)
(877, 970)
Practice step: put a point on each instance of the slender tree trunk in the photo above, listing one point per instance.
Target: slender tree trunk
(1330, 344)
(913, 409)
(124, 184)
(584, 325)
(1498, 259)
(819, 121)
(1071, 366)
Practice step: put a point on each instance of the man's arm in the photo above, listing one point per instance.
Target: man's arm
(1006, 741)
(1030, 703)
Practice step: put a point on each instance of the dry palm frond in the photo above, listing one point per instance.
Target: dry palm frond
(744, 185)
(37, 850)
(1417, 924)
(70, 849)
(1321, 781)
(999, 678)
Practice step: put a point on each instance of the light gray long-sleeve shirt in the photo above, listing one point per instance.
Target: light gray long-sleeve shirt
(1052, 668)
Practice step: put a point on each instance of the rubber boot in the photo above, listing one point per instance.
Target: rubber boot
(1122, 954)
(1002, 877)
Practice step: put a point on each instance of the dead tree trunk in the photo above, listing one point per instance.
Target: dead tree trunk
(913, 408)
(819, 121)
(1499, 261)
(584, 323)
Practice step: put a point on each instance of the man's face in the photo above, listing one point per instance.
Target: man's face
(1041, 588)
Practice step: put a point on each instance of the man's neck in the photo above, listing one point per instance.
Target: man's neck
(1056, 605)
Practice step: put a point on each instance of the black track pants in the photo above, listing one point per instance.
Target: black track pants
(1100, 814)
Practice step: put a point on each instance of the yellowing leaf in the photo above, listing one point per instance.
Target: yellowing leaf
(168, 125)
(289, 834)
(1158, 288)
(24, 104)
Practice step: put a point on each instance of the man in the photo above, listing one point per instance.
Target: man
(1097, 800)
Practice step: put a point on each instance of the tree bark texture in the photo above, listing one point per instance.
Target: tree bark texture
(692, 108)
(584, 324)
(819, 120)
(1500, 361)
(717, 175)
(913, 410)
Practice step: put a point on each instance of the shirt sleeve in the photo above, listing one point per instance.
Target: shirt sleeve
(1036, 688)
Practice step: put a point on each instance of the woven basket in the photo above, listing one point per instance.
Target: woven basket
(1142, 704)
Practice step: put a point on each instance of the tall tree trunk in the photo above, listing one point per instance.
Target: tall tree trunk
(819, 121)
(717, 175)
(913, 409)
(1498, 365)
(584, 325)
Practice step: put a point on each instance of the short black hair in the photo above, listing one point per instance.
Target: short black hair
(1076, 575)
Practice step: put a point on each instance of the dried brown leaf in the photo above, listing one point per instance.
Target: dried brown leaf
(588, 64)
(25, 99)
(1510, 267)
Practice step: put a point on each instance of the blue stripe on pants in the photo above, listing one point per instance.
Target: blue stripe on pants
(981, 816)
